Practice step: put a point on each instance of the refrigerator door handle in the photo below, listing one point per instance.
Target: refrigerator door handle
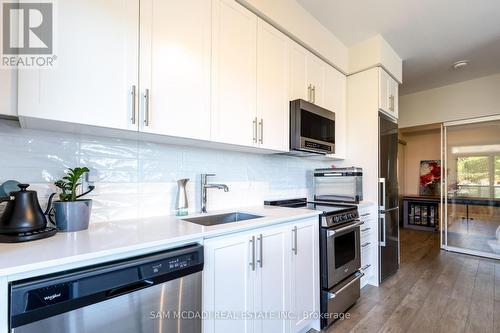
(382, 220)
(382, 201)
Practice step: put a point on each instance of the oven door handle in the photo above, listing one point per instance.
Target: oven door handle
(333, 295)
(330, 233)
(330, 174)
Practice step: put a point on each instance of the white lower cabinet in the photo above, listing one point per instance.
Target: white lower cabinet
(304, 274)
(254, 280)
(228, 283)
(369, 244)
(271, 293)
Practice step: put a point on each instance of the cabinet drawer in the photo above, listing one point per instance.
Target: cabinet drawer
(366, 245)
(366, 231)
(369, 272)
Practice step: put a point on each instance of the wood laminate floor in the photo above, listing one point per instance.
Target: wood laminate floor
(433, 291)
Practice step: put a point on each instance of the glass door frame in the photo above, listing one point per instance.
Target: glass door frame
(444, 187)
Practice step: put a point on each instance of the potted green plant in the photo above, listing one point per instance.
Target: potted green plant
(72, 213)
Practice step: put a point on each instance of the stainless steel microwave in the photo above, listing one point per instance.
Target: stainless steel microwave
(312, 129)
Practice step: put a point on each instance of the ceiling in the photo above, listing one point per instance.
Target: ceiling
(429, 35)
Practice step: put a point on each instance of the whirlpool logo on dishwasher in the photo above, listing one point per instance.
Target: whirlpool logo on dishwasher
(52, 297)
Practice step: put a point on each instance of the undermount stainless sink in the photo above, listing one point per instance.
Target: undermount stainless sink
(222, 218)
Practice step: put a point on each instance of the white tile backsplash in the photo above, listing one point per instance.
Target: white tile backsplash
(138, 179)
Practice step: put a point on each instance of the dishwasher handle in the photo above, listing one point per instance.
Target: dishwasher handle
(129, 288)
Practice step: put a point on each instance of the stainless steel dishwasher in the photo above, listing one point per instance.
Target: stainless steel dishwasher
(154, 293)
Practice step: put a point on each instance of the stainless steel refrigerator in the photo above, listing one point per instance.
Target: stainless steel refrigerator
(388, 197)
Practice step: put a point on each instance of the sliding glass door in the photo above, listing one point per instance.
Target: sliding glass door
(471, 198)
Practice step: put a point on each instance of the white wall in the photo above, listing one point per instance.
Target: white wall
(138, 179)
(420, 146)
(468, 99)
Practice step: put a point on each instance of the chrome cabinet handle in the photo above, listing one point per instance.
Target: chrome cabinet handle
(252, 262)
(146, 107)
(333, 295)
(309, 93)
(314, 94)
(365, 229)
(365, 214)
(391, 103)
(260, 239)
(336, 231)
(133, 96)
(261, 126)
(364, 268)
(295, 241)
(255, 134)
(365, 244)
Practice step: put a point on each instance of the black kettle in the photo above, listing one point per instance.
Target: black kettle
(22, 212)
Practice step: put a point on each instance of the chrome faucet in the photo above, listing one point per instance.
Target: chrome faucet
(205, 186)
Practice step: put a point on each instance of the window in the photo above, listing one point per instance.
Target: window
(478, 176)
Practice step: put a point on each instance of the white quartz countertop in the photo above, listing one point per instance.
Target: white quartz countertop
(121, 239)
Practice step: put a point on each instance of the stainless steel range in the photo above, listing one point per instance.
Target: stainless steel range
(340, 255)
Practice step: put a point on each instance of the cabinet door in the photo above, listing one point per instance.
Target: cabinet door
(335, 94)
(272, 281)
(97, 65)
(395, 98)
(316, 77)
(175, 67)
(228, 282)
(384, 90)
(8, 92)
(234, 73)
(304, 273)
(272, 87)
(298, 73)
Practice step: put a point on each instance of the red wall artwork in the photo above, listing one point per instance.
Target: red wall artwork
(430, 177)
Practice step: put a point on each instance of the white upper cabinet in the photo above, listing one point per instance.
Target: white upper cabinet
(388, 94)
(316, 70)
(314, 80)
(234, 73)
(299, 86)
(335, 97)
(8, 92)
(196, 69)
(96, 70)
(175, 55)
(317, 82)
(273, 102)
